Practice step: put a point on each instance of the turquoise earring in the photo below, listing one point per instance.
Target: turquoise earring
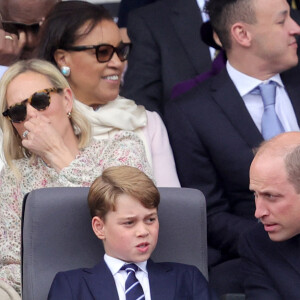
(65, 71)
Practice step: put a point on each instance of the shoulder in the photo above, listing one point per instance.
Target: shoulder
(179, 268)
(203, 94)
(154, 119)
(118, 138)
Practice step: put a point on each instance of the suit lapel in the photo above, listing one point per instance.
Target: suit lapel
(162, 281)
(291, 82)
(186, 18)
(229, 100)
(101, 282)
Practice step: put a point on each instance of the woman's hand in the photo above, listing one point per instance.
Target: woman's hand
(43, 140)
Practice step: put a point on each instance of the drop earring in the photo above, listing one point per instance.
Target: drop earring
(65, 70)
(69, 115)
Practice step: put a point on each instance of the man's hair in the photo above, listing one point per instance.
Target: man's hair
(60, 29)
(224, 13)
(116, 181)
(292, 165)
(289, 152)
(12, 142)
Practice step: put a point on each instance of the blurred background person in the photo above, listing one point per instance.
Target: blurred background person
(166, 49)
(20, 24)
(47, 144)
(84, 42)
(125, 7)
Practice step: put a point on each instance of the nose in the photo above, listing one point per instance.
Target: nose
(261, 209)
(31, 112)
(295, 28)
(115, 61)
(142, 230)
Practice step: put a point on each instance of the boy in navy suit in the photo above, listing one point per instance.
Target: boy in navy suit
(123, 203)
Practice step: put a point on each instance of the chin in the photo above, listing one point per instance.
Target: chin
(276, 237)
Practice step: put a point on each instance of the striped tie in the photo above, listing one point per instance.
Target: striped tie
(133, 288)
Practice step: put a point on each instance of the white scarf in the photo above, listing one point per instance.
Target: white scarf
(116, 115)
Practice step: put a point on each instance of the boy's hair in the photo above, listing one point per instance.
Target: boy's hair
(116, 181)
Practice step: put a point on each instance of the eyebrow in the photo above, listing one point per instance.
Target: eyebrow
(133, 217)
(283, 13)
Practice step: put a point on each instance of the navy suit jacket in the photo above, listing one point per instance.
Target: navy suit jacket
(166, 49)
(167, 281)
(271, 269)
(213, 136)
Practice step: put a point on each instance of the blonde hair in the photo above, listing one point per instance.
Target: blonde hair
(116, 181)
(12, 142)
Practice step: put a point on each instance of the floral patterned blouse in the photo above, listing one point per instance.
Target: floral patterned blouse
(124, 149)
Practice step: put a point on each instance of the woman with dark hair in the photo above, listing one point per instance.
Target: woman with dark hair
(83, 41)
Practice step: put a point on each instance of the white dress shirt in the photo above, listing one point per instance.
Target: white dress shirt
(283, 106)
(120, 276)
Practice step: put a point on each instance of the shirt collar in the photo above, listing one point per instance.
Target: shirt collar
(245, 83)
(115, 264)
(201, 4)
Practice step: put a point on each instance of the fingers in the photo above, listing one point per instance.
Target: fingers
(37, 123)
(10, 47)
(21, 40)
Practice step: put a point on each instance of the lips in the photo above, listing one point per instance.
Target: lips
(271, 227)
(143, 247)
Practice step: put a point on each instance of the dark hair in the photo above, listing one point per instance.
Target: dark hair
(116, 181)
(60, 29)
(224, 13)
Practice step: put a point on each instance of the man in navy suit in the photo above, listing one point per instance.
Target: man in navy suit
(214, 127)
(166, 49)
(270, 251)
(123, 203)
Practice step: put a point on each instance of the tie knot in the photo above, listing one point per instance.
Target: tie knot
(130, 268)
(268, 92)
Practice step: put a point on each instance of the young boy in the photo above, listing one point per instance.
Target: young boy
(123, 203)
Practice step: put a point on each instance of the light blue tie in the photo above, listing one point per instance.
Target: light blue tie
(133, 288)
(270, 124)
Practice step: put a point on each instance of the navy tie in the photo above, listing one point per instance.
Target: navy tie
(270, 123)
(133, 288)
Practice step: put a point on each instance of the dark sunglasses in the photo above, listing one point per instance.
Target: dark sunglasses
(15, 27)
(104, 52)
(39, 100)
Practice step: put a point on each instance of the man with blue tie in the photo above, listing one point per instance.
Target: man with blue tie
(215, 126)
(123, 203)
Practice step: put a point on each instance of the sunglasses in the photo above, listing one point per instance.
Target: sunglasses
(39, 100)
(104, 52)
(15, 28)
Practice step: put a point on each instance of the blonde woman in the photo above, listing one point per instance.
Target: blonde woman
(47, 143)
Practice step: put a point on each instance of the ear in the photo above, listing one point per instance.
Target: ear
(68, 99)
(216, 39)
(241, 34)
(98, 227)
(61, 57)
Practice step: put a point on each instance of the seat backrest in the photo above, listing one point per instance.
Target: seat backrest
(57, 234)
